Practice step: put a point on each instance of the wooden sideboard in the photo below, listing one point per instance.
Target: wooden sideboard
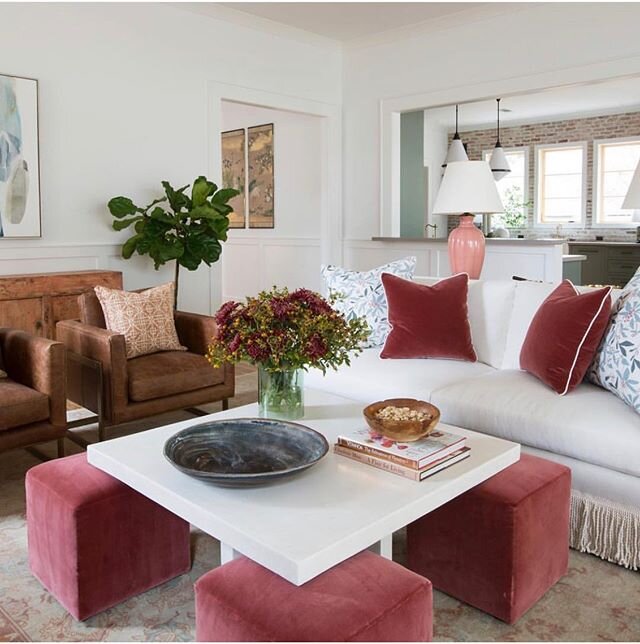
(34, 303)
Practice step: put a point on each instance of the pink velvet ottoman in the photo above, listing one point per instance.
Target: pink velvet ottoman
(364, 599)
(93, 541)
(501, 545)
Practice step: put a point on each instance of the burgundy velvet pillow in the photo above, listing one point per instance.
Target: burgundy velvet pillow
(564, 335)
(428, 321)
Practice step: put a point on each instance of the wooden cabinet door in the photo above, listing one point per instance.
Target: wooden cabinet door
(594, 269)
(27, 315)
(63, 307)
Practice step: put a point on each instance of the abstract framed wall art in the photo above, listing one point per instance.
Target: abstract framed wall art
(19, 158)
(261, 183)
(233, 174)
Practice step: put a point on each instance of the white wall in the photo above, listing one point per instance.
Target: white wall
(289, 254)
(124, 104)
(532, 39)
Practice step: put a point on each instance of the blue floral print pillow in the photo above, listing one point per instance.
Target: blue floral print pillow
(360, 294)
(616, 366)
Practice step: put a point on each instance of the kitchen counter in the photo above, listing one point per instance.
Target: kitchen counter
(574, 258)
(577, 242)
(498, 241)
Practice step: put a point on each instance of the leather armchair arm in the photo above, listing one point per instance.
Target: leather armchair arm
(37, 363)
(107, 348)
(195, 331)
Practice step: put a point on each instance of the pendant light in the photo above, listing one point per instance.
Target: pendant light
(456, 149)
(499, 164)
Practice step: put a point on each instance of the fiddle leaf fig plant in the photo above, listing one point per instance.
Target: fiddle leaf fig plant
(177, 227)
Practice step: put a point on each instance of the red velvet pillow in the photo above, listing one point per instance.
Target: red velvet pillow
(428, 321)
(564, 335)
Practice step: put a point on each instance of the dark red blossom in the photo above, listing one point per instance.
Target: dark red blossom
(281, 307)
(315, 347)
(314, 301)
(225, 313)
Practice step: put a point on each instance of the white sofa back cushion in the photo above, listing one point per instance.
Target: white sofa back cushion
(528, 298)
(490, 303)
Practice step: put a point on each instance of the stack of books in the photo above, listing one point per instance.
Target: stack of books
(416, 461)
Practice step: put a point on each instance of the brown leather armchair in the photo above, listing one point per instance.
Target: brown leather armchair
(32, 398)
(130, 389)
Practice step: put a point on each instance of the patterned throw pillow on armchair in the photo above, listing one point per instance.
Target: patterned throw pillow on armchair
(616, 366)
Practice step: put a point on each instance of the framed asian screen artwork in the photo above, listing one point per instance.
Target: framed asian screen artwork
(233, 174)
(260, 174)
(19, 158)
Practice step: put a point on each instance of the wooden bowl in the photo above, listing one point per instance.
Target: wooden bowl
(403, 431)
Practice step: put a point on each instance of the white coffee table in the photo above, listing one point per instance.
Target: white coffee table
(306, 524)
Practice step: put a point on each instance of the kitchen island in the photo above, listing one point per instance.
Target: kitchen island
(534, 259)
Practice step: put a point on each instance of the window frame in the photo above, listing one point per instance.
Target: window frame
(595, 196)
(527, 170)
(537, 196)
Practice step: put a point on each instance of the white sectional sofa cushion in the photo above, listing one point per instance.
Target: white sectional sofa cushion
(372, 378)
(588, 424)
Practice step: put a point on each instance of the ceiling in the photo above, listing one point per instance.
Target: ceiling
(349, 21)
(611, 96)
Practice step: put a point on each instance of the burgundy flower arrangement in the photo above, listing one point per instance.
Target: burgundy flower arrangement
(282, 330)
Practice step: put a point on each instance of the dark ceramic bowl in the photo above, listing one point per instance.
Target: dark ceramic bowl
(244, 452)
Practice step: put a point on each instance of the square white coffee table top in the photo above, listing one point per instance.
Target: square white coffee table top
(305, 524)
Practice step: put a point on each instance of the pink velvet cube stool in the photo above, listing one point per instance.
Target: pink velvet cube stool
(364, 599)
(501, 545)
(93, 541)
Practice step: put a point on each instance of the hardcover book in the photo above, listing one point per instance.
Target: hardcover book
(414, 455)
(407, 472)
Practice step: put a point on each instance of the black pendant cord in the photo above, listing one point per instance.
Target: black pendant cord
(498, 144)
(456, 135)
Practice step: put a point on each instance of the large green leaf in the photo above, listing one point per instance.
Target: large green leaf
(121, 224)
(201, 191)
(129, 247)
(177, 198)
(222, 196)
(121, 207)
(160, 215)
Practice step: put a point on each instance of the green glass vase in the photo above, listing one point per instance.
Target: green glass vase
(281, 393)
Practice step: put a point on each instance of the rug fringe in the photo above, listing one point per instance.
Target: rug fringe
(604, 528)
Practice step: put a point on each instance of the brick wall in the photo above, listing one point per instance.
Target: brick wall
(588, 129)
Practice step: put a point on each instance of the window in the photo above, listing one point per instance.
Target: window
(560, 177)
(615, 163)
(513, 189)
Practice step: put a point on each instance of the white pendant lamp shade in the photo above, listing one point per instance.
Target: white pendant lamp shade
(632, 200)
(456, 149)
(498, 162)
(468, 186)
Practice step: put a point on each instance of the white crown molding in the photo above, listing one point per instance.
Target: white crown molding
(484, 11)
(216, 11)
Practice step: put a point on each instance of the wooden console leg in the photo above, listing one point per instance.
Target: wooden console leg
(61, 448)
(225, 404)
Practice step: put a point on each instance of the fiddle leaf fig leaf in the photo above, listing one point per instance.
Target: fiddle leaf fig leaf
(122, 206)
(121, 224)
(201, 191)
(129, 247)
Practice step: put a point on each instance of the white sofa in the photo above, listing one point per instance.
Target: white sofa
(590, 430)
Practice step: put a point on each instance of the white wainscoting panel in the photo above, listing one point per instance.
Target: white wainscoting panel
(252, 264)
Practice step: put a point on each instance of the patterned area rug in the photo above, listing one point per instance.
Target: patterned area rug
(596, 601)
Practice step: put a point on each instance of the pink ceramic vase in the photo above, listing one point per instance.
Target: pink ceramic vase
(466, 248)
